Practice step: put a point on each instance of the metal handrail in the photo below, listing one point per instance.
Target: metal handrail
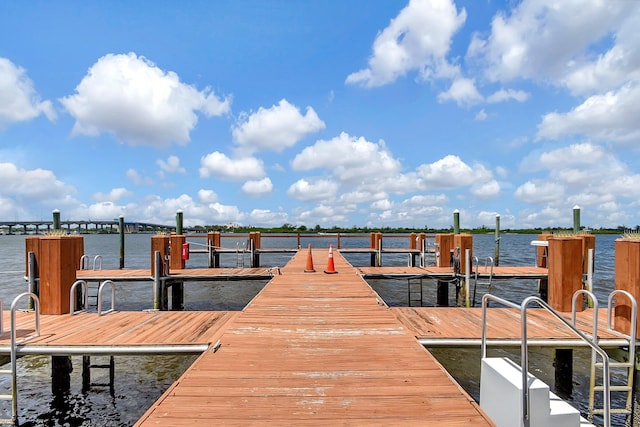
(574, 306)
(476, 262)
(73, 296)
(526, 408)
(634, 309)
(95, 262)
(84, 261)
(113, 296)
(14, 348)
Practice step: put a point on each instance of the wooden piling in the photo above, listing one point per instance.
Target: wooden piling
(463, 241)
(444, 245)
(542, 252)
(255, 244)
(565, 272)
(175, 242)
(627, 278)
(375, 244)
(178, 262)
(588, 242)
(159, 243)
(213, 243)
(59, 260)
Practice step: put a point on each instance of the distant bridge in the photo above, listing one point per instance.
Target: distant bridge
(81, 226)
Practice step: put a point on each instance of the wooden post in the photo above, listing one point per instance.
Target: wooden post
(375, 245)
(32, 251)
(588, 242)
(542, 252)
(159, 243)
(176, 241)
(565, 278)
(179, 220)
(177, 263)
(627, 278)
(464, 242)
(213, 241)
(59, 260)
(444, 244)
(565, 272)
(496, 255)
(542, 258)
(156, 271)
(456, 222)
(255, 242)
(121, 233)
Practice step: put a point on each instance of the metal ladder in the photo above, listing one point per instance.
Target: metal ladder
(488, 265)
(240, 255)
(623, 370)
(12, 372)
(591, 341)
(414, 292)
(87, 366)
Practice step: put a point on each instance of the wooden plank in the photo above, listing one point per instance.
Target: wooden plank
(321, 348)
(502, 323)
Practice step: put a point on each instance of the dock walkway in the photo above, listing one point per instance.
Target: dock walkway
(309, 349)
(316, 349)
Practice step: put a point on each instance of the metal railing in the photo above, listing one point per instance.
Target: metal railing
(113, 296)
(73, 297)
(524, 358)
(14, 347)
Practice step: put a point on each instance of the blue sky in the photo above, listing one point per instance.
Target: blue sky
(368, 113)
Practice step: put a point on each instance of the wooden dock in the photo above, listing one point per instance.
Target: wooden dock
(187, 274)
(130, 332)
(310, 349)
(502, 273)
(462, 327)
(316, 349)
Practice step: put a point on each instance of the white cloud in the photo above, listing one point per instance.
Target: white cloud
(267, 217)
(539, 192)
(220, 166)
(113, 196)
(448, 172)
(382, 205)
(609, 117)
(560, 50)
(131, 98)
(207, 196)
(275, 128)
(362, 196)
(463, 92)
(221, 214)
(258, 187)
(171, 165)
(307, 190)
(419, 39)
(323, 214)
(34, 185)
(348, 158)
(486, 190)
(503, 95)
(104, 210)
(19, 100)
(481, 115)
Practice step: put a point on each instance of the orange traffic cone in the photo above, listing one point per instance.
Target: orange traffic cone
(309, 268)
(331, 268)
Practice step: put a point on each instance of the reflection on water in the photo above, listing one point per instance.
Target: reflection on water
(140, 380)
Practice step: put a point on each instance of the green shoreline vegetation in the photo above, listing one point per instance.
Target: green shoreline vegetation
(293, 229)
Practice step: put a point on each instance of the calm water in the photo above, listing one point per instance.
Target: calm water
(140, 380)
